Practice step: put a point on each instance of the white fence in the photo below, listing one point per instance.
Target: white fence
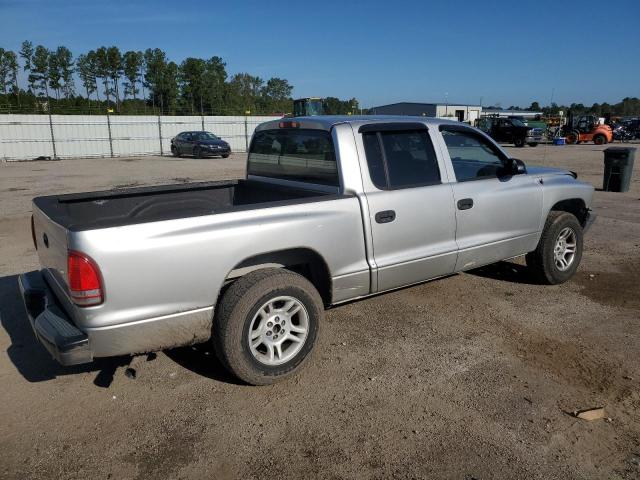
(25, 137)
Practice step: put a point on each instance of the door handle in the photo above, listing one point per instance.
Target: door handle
(385, 216)
(465, 204)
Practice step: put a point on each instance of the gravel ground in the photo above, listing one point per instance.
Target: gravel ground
(471, 376)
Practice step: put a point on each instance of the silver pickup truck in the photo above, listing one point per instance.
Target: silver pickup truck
(332, 209)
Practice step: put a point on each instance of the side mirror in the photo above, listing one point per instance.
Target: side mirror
(517, 167)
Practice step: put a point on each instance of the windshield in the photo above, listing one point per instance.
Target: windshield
(205, 136)
(294, 154)
(517, 123)
(307, 107)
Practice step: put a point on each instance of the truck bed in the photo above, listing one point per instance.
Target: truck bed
(113, 208)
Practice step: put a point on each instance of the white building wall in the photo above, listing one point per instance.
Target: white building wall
(25, 137)
(471, 113)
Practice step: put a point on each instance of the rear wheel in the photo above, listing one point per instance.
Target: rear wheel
(519, 142)
(266, 325)
(174, 151)
(599, 139)
(559, 251)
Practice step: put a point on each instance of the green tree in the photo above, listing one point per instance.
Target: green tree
(55, 75)
(11, 62)
(85, 66)
(169, 88)
(64, 60)
(132, 62)
(26, 53)
(192, 82)
(4, 71)
(244, 92)
(114, 71)
(277, 89)
(102, 70)
(534, 107)
(335, 106)
(215, 91)
(276, 95)
(155, 61)
(40, 70)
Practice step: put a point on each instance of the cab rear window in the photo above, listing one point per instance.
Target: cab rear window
(301, 155)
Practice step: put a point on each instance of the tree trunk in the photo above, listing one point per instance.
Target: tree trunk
(88, 98)
(106, 89)
(115, 81)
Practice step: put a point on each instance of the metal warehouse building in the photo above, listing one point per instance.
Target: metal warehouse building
(461, 112)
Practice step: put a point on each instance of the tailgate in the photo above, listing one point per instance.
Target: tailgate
(51, 240)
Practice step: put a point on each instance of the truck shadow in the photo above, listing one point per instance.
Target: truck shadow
(505, 271)
(201, 360)
(30, 358)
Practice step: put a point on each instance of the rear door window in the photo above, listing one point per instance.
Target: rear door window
(401, 159)
(302, 155)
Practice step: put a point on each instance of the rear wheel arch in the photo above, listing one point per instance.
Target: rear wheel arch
(304, 261)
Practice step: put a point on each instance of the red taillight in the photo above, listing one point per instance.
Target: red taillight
(85, 284)
(33, 233)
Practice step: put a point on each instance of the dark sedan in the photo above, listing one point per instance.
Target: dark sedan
(199, 144)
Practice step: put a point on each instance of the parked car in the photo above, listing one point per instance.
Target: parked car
(199, 144)
(511, 130)
(332, 209)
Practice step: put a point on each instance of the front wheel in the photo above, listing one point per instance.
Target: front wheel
(572, 138)
(599, 139)
(226, 155)
(533, 144)
(559, 251)
(197, 153)
(266, 325)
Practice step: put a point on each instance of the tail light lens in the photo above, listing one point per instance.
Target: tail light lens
(85, 281)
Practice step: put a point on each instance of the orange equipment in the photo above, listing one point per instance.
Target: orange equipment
(587, 128)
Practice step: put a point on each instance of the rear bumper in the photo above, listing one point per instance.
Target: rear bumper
(51, 325)
(71, 346)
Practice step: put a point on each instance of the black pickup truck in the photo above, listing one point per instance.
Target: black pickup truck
(511, 130)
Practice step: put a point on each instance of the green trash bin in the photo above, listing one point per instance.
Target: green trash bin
(618, 167)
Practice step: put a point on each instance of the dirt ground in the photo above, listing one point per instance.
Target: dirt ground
(468, 377)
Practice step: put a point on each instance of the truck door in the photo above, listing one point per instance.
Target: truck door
(410, 203)
(498, 215)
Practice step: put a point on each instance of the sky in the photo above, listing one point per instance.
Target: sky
(493, 52)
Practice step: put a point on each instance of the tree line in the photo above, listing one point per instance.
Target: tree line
(136, 82)
(628, 107)
(141, 82)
